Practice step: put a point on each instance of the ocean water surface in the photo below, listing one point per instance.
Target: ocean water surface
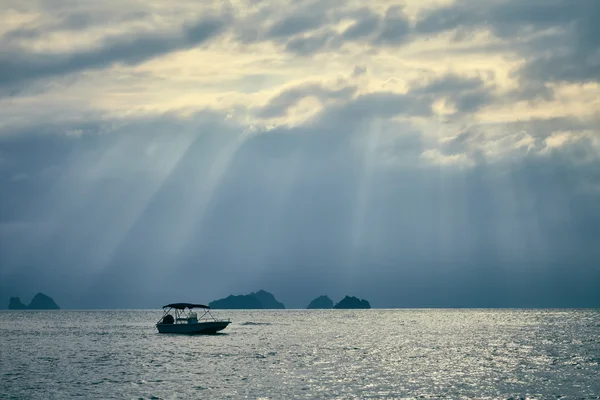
(313, 354)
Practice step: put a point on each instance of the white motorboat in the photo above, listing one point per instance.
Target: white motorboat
(180, 318)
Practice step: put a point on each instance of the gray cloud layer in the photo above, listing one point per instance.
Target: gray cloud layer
(356, 200)
(563, 36)
(17, 67)
(104, 219)
(558, 39)
(279, 105)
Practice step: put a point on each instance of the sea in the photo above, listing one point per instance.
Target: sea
(304, 354)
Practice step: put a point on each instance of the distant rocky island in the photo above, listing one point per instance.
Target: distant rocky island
(39, 302)
(352, 302)
(257, 300)
(348, 302)
(321, 302)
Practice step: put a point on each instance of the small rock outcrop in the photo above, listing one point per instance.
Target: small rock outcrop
(351, 302)
(321, 302)
(15, 304)
(42, 302)
(258, 300)
(39, 302)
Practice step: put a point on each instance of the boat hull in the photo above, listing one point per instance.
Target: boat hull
(193, 329)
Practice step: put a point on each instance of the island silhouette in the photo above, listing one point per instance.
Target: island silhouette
(348, 302)
(256, 300)
(263, 300)
(39, 302)
(321, 302)
(351, 302)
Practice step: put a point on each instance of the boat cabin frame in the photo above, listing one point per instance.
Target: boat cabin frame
(183, 314)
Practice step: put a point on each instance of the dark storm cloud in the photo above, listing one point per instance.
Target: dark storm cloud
(544, 127)
(459, 144)
(506, 18)
(17, 66)
(395, 27)
(392, 30)
(530, 137)
(279, 105)
(111, 218)
(311, 44)
(467, 94)
(364, 26)
(72, 22)
(304, 19)
(449, 84)
(564, 49)
(385, 105)
(531, 91)
(305, 32)
(416, 102)
(294, 24)
(132, 213)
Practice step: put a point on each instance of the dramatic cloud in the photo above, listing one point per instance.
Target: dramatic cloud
(294, 24)
(17, 66)
(559, 39)
(440, 153)
(290, 207)
(280, 104)
(466, 94)
(395, 27)
(364, 26)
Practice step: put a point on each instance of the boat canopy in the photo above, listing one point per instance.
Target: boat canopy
(182, 306)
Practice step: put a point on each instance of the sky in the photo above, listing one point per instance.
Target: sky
(414, 153)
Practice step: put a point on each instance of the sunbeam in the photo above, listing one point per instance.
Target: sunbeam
(135, 198)
(362, 150)
(201, 192)
(361, 225)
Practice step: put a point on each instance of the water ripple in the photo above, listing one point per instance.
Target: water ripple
(451, 354)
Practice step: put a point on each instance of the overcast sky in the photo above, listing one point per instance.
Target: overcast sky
(419, 153)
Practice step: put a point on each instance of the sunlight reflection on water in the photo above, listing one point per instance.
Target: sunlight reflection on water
(304, 354)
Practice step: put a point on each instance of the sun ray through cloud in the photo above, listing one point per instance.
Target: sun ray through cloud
(427, 144)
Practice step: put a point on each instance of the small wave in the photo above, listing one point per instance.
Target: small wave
(255, 323)
(221, 355)
(261, 356)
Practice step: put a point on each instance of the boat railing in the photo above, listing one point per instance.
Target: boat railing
(186, 315)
